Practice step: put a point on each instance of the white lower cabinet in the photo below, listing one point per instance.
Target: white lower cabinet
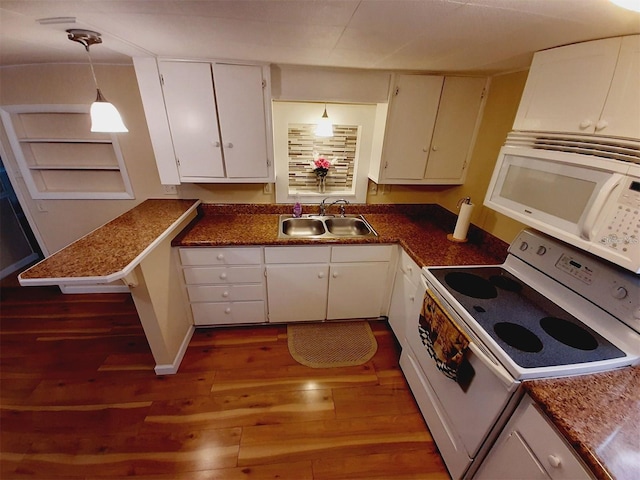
(530, 448)
(224, 286)
(328, 282)
(406, 299)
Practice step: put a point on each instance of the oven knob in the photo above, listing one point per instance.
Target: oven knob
(619, 292)
(524, 246)
(541, 250)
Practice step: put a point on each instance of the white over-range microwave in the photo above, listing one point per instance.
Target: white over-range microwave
(583, 191)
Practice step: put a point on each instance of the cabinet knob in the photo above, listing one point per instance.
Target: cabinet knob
(425, 149)
(434, 148)
(320, 274)
(223, 276)
(409, 268)
(225, 294)
(229, 145)
(227, 310)
(412, 298)
(334, 274)
(585, 124)
(601, 125)
(220, 256)
(216, 144)
(554, 461)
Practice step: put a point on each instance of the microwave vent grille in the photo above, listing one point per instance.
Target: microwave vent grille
(604, 147)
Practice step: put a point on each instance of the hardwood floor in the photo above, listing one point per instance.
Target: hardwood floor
(80, 400)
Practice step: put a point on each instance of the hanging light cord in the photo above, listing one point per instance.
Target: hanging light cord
(95, 80)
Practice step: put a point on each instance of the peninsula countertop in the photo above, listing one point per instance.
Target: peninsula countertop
(111, 251)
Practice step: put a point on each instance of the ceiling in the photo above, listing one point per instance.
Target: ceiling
(487, 36)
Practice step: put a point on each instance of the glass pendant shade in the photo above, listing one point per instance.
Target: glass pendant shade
(324, 128)
(633, 5)
(105, 117)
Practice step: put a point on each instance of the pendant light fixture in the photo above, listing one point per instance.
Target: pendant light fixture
(324, 128)
(104, 116)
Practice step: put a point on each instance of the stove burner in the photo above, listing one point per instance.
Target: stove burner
(505, 283)
(518, 337)
(569, 333)
(470, 285)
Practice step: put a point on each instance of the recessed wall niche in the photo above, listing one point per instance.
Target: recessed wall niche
(341, 150)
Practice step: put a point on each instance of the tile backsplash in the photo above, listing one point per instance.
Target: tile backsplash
(341, 150)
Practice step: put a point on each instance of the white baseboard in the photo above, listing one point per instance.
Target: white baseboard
(172, 368)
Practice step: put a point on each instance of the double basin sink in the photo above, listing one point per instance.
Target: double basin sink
(325, 226)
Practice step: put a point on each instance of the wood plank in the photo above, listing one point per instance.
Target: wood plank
(333, 438)
(260, 408)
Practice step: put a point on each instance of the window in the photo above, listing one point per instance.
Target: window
(60, 158)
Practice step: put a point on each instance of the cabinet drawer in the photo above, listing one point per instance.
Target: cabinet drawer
(301, 254)
(223, 275)
(221, 256)
(225, 293)
(409, 267)
(362, 253)
(554, 454)
(227, 313)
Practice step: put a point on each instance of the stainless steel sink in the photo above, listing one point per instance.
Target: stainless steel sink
(302, 227)
(325, 226)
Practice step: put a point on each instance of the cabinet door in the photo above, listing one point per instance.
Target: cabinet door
(297, 292)
(509, 459)
(454, 130)
(621, 114)
(405, 304)
(410, 123)
(191, 110)
(356, 290)
(567, 87)
(239, 92)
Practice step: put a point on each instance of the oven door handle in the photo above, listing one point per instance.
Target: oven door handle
(498, 370)
(495, 367)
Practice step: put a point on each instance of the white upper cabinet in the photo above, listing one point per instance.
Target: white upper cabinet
(193, 119)
(585, 88)
(209, 122)
(430, 127)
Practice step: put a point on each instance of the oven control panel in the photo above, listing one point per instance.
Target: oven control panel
(614, 289)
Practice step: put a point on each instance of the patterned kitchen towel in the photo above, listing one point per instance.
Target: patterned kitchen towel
(442, 337)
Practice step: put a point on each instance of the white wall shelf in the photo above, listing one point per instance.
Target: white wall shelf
(59, 157)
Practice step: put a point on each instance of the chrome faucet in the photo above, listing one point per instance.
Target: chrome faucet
(323, 206)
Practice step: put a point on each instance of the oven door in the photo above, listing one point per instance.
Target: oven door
(464, 415)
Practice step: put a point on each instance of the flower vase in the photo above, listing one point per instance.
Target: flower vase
(321, 184)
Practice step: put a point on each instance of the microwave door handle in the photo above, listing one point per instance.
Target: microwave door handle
(587, 229)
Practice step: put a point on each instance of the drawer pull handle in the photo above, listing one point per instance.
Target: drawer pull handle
(220, 256)
(227, 310)
(554, 461)
(225, 294)
(223, 276)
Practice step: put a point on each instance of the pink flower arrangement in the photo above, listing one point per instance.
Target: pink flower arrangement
(321, 166)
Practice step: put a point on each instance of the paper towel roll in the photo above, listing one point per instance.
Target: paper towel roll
(464, 219)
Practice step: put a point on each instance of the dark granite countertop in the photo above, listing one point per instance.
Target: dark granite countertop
(110, 251)
(599, 414)
(420, 229)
